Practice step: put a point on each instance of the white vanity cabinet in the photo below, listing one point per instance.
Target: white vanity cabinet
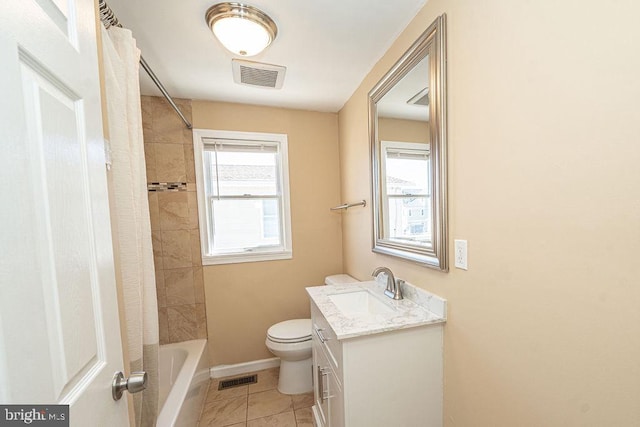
(389, 378)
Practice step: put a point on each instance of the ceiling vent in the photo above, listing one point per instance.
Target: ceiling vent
(257, 74)
(420, 98)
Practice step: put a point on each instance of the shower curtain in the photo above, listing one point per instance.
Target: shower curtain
(131, 207)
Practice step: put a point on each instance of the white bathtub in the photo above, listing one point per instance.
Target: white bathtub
(183, 381)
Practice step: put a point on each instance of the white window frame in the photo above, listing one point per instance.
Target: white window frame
(284, 252)
(384, 197)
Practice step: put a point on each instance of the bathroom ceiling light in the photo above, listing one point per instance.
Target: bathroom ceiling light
(242, 29)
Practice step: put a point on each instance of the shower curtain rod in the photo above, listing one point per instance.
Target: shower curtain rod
(109, 19)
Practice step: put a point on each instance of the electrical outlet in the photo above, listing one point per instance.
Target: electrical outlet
(461, 254)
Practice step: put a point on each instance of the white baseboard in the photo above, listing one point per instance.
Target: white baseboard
(221, 371)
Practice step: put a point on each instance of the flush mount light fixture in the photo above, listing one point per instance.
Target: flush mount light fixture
(242, 29)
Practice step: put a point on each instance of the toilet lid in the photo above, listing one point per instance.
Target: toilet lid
(291, 331)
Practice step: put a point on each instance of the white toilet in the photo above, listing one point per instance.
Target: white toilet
(291, 342)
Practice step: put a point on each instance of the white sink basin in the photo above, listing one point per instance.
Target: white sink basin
(359, 303)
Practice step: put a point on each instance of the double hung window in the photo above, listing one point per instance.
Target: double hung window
(407, 191)
(243, 196)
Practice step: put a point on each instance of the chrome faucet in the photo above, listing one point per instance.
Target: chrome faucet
(393, 286)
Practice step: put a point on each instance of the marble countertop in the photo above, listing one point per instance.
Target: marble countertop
(418, 308)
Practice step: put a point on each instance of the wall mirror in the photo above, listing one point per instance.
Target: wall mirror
(407, 129)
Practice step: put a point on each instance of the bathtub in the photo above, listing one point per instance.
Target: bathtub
(183, 376)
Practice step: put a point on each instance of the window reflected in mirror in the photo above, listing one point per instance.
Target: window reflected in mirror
(406, 192)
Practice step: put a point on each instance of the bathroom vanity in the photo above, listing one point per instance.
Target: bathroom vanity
(376, 361)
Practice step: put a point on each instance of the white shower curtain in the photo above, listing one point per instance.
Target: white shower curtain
(131, 206)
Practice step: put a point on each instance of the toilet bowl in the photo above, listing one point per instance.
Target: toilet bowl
(291, 342)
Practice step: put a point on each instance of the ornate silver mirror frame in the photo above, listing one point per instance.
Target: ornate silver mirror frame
(431, 249)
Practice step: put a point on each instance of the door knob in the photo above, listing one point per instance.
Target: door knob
(134, 384)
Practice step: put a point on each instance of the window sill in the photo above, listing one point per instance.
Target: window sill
(245, 257)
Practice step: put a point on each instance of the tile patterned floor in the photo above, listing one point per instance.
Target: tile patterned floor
(256, 405)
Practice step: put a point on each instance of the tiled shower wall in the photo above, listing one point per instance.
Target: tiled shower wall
(168, 147)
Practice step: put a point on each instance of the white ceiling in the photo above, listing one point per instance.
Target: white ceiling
(394, 103)
(327, 46)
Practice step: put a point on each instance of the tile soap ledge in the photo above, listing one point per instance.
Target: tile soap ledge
(418, 308)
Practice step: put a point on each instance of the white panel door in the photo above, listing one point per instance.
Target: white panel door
(59, 327)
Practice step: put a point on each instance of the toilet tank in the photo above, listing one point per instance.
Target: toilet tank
(339, 279)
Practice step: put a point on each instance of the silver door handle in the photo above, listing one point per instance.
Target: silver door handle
(134, 384)
(322, 373)
(320, 335)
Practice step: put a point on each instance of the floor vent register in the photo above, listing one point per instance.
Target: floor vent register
(237, 382)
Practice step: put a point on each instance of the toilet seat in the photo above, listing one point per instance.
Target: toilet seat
(291, 342)
(290, 331)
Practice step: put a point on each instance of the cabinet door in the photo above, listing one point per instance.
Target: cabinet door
(327, 392)
(335, 398)
(320, 369)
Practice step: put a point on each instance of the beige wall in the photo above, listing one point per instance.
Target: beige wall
(243, 300)
(403, 130)
(544, 150)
